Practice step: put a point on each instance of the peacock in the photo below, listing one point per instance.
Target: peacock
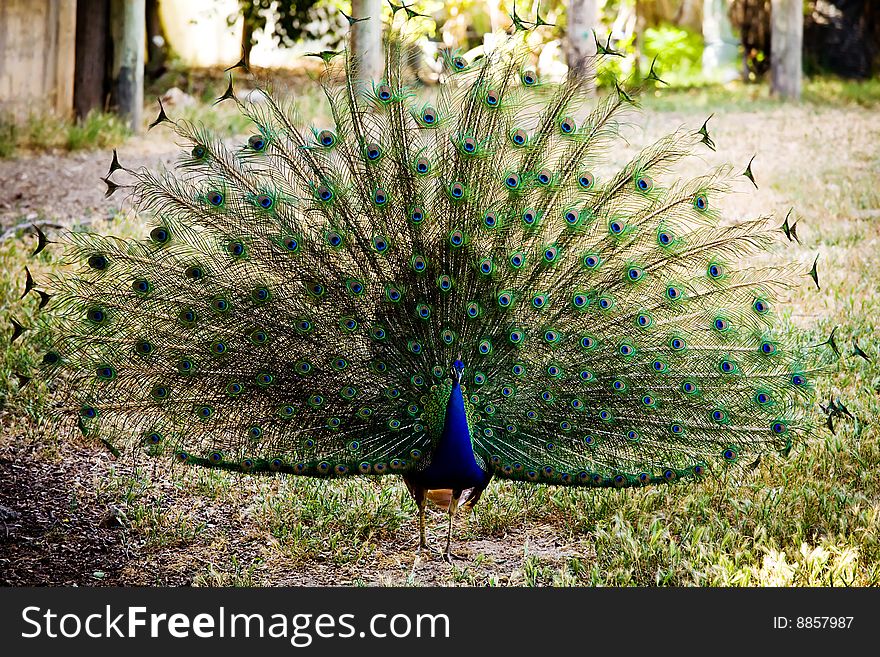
(441, 284)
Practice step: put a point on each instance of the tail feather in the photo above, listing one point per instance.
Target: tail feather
(298, 300)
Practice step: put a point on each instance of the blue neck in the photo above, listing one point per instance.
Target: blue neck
(456, 436)
(453, 464)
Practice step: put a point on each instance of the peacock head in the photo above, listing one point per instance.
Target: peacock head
(457, 370)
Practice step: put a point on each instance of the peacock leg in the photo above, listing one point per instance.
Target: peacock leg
(453, 507)
(423, 543)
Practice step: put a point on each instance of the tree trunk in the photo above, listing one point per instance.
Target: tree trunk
(157, 41)
(581, 46)
(786, 48)
(366, 39)
(128, 22)
(247, 39)
(92, 45)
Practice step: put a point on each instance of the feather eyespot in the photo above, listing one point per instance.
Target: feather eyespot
(459, 63)
(529, 78)
(160, 235)
(423, 165)
(199, 152)
(384, 93)
(416, 215)
(215, 198)
(257, 142)
(141, 286)
(456, 190)
(519, 137)
(265, 201)
(567, 125)
(429, 116)
(492, 98)
(586, 180)
(469, 145)
(98, 262)
(701, 202)
(326, 138)
(324, 193)
(512, 181)
(236, 248)
(644, 184)
(373, 151)
(143, 347)
(591, 261)
(544, 177)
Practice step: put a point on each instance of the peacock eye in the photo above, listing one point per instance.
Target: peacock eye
(265, 201)
(586, 180)
(423, 165)
(373, 151)
(384, 92)
(567, 125)
(257, 142)
(519, 137)
(492, 98)
(512, 181)
(199, 152)
(469, 144)
(459, 63)
(416, 215)
(456, 190)
(644, 184)
(326, 138)
(215, 198)
(529, 78)
(429, 115)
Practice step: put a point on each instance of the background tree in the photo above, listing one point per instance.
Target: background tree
(786, 55)
(580, 43)
(290, 22)
(367, 38)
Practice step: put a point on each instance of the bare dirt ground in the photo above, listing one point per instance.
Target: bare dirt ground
(58, 527)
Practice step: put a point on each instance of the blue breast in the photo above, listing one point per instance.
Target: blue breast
(453, 464)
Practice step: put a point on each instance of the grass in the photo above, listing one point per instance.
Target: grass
(812, 519)
(46, 131)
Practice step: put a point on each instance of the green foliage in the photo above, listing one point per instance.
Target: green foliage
(46, 131)
(679, 54)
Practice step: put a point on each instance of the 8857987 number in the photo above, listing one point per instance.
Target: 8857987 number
(812, 622)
